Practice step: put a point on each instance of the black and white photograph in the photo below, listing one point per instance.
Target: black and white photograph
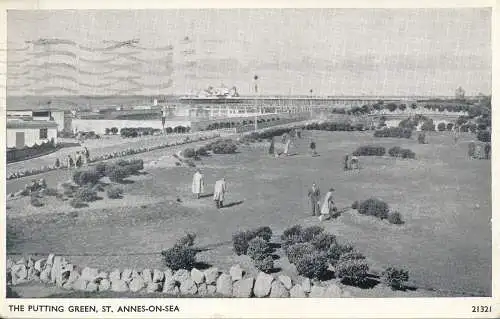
(248, 153)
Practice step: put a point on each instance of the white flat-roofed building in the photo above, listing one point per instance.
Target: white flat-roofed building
(62, 119)
(26, 133)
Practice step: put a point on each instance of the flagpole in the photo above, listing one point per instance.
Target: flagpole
(256, 126)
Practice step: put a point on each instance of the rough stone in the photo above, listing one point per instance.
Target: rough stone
(33, 274)
(317, 292)
(80, 284)
(243, 288)
(202, 289)
(104, 285)
(236, 272)
(211, 275)
(278, 290)
(114, 275)
(91, 286)
(119, 286)
(211, 290)
(136, 284)
(262, 285)
(127, 275)
(10, 263)
(188, 287)
(45, 274)
(102, 275)
(170, 286)
(297, 292)
(56, 272)
(168, 273)
(306, 285)
(158, 275)
(181, 275)
(147, 275)
(286, 281)
(333, 291)
(39, 264)
(50, 259)
(90, 274)
(22, 261)
(225, 285)
(73, 276)
(346, 294)
(135, 274)
(153, 287)
(19, 272)
(197, 276)
(30, 263)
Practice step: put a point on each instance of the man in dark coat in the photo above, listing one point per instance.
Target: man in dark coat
(314, 198)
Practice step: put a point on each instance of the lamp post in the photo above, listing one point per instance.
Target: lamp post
(255, 78)
(310, 102)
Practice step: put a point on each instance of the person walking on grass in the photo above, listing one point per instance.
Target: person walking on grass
(220, 190)
(328, 208)
(312, 146)
(314, 199)
(78, 160)
(198, 184)
(87, 155)
(71, 163)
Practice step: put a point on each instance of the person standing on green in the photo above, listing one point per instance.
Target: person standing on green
(312, 146)
(314, 195)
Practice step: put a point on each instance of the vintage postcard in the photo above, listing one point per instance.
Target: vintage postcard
(214, 161)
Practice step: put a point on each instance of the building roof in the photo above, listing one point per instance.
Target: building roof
(38, 109)
(18, 123)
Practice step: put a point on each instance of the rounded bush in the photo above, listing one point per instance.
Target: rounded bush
(115, 192)
(369, 150)
(395, 278)
(312, 265)
(258, 248)
(179, 257)
(355, 205)
(374, 207)
(484, 136)
(395, 218)
(323, 241)
(336, 251)
(189, 153)
(309, 233)
(86, 194)
(264, 232)
(265, 264)
(298, 250)
(353, 270)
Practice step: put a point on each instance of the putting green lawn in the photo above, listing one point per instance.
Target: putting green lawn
(444, 198)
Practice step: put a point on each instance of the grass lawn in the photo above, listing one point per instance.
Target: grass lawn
(444, 198)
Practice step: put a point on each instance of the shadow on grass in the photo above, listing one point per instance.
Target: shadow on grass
(275, 256)
(274, 270)
(201, 265)
(368, 283)
(206, 195)
(274, 246)
(327, 276)
(233, 204)
(125, 182)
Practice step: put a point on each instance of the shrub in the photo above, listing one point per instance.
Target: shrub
(100, 168)
(394, 151)
(355, 205)
(107, 131)
(115, 192)
(76, 203)
(397, 151)
(441, 127)
(374, 207)
(202, 151)
(312, 265)
(240, 242)
(291, 236)
(258, 248)
(323, 241)
(484, 136)
(351, 255)
(264, 232)
(487, 150)
(309, 233)
(86, 194)
(35, 202)
(428, 126)
(265, 264)
(369, 151)
(471, 149)
(298, 250)
(398, 132)
(353, 270)
(421, 138)
(395, 278)
(189, 153)
(449, 126)
(50, 192)
(179, 257)
(116, 173)
(395, 218)
(336, 251)
(114, 130)
(86, 177)
(186, 240)
(226, 146)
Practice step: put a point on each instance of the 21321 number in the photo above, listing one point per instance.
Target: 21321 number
(481, 308)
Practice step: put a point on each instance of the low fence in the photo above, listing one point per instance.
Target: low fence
(15, 155)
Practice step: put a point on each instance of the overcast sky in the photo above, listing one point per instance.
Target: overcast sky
(347, 51)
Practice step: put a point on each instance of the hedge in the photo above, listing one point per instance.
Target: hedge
(398, 132)
(397, 151)
(369, 150)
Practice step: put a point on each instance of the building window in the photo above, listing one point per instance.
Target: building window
(44, 133)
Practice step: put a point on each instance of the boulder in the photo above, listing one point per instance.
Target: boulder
(45, 274)
(153, 287)
(306, 285)
(236, 272)
(202, 289)
(262, 286)
(135, 274)
(19, 272)
(22, 261)
(243, 288)
(181, 275)
(57, 269)
(170, 286)
(225, 285)
(72, 276)
(80, 284)
(211, 275)
(147, 275)
(90, 274)
(50, 259)
(211, 290)
(40, 264)
(286, 281)
(197, 276)
(168, 273)
(91, 286)
(30, 263)
(158, 275)
(127, 275)
(136, 284)
(278, 290)
(297, 292)
(114, 275)
(104, 285)
(188, 287)
(33, 274)
(346, 294)
(333, 291)
(119, 285)
(317, 292)
(9, 264)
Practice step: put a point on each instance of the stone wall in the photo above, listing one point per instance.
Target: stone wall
(56, 270)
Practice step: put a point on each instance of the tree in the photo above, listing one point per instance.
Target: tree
(441, 127)
(449, 126)
(402, 107)
(414, 105)
(460, 93)
(392, 107)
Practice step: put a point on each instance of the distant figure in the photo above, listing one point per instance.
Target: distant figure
(42, 184)
(271, 147)
(312, 146)
(328, 208)
(87, 155)
(78, 160)
(487, 150)
(299, 134)
(71, 163)
(198, 183)
(314, 198)
(57, 164)
(220, 190)
(346, 162)
(287, 147)
(354, 162)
